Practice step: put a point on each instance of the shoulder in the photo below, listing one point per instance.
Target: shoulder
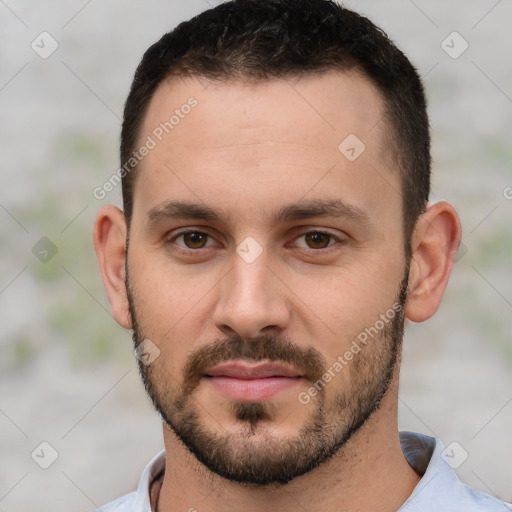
(139, 500)
(479, 501)
(439, 488)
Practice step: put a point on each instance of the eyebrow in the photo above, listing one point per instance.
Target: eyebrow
(295, 211)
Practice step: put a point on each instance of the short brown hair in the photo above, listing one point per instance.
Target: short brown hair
(265, 39)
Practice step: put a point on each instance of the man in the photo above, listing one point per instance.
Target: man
(276, 235)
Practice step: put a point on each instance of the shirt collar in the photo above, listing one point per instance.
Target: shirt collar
(439, 488)
(152, 474)
(418, 450)
(423, 453)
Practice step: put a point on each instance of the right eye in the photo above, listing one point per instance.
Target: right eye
(191, 239)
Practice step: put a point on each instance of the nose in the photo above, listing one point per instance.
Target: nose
(252, 300)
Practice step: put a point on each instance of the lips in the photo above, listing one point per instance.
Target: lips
(247, 371)
(249, 382)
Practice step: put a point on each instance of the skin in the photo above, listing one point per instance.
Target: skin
(249, 149)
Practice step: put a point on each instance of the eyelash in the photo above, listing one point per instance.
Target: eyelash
(187, 250)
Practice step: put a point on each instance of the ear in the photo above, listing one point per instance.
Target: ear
(110, 245)
(435, 243)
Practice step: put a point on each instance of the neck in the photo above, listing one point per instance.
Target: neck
(359, 477)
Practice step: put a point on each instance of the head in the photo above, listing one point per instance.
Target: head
(254, 40)
(279, 216)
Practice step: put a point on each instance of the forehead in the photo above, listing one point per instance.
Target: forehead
(332, 103)
(264, 141)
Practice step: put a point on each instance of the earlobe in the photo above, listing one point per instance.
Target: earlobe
(434, 247)
(110, 245)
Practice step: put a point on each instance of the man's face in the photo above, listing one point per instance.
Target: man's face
(286, 248)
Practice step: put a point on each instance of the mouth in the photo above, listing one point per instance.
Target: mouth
(249, 382)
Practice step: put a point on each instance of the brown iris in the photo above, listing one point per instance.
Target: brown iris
(317, 240)
(195, 239)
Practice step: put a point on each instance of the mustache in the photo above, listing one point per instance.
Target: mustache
(308, 361)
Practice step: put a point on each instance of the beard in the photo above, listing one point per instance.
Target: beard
(253, 455)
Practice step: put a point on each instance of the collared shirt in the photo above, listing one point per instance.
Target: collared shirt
(439, 489)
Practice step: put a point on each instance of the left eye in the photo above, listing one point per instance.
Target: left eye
(316, 240)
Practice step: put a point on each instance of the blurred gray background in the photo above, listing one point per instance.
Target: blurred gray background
(67, 372)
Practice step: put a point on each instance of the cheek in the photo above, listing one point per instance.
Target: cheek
(165, 291)
(172, 305)
(338, 305)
